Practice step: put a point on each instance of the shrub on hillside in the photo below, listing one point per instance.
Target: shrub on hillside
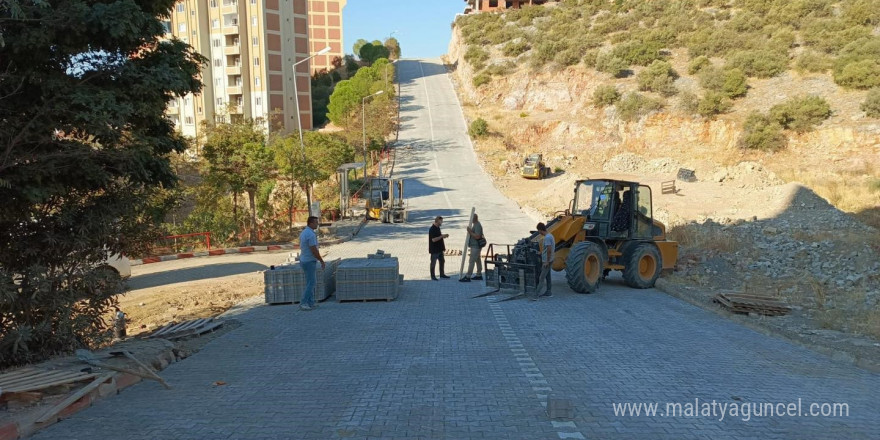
(500, 69)
(481, 79)
(659, 77)
(515, 48)
(545, 51)
(862, 74)
(590, 58)
(760, 132)
(605, 95)
(713, 104)
(713, 42)
(476, 56)
(830, 35)
(688, 102)
(697, 64)
(861, 12)
(731, 83)
(568, 57)
(635, 105)
(759, 63)
(640, 53)
(745, 21)
(871, 105)
(801, 113)
(810, 61)
(525, 15)
(608, 63)
(479, 127)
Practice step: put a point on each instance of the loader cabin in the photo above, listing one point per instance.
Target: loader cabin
(615, 209)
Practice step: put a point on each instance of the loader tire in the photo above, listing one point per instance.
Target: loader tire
(643, 266)
(583, 267)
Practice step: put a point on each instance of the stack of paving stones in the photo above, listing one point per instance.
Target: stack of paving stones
(368, 278)
(285, 283)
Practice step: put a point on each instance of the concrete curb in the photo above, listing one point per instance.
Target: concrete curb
(836, 354)
(26, 424)
(238, 250)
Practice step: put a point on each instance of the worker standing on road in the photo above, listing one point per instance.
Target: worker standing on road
(309, 258)
(474, 243)
(436, 246)
(548, 252)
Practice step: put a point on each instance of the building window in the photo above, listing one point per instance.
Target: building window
(255, 41)
(172, 103)
(200, 109)
(256, 61)
(167, 26)
(213, 3)
(194, 32)
(215, 23)
(187, 100)
(254, 21)
(253, 2)
(218, 62)
(218, 82)
(257, 81)
(258, 100)
(181, 7)
(220, 101)
(216, 42)
(181, 27)
(193, 12)
(189, 120)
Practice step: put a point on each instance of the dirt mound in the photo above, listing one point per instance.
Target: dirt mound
(746, 174)
(634, 164)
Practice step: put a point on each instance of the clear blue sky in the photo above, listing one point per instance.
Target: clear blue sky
(423, 26)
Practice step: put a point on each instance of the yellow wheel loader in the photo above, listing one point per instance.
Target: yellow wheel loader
(534, 167)
(608, 226)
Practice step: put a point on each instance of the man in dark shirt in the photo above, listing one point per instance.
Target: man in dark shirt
(436, 246)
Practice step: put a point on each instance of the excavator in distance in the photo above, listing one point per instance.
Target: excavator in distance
(608, 226)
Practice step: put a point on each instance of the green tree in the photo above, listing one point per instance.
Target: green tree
(238, 159)
(356, 48)
(369, 53)
(393, 47)
(659, 77)
(84, 160)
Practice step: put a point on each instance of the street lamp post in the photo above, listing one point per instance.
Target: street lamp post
(299, 130)
(364, 122)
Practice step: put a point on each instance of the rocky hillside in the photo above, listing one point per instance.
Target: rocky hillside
(795, 222)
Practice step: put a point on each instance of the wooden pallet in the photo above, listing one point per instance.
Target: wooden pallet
(35, 379)
(194, 327)
(745, 303)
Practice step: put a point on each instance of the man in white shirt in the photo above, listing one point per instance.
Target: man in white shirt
(548, 252)
(308, 259)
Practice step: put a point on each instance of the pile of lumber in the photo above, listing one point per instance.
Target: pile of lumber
(748, 303)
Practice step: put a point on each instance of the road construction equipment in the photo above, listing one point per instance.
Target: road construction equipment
(607, 226)
(385, 201)
(534, 167)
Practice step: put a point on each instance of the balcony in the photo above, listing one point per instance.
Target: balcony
(230, 29)
(234, 90)
(233, 69)
(233, 49)
(228, 6)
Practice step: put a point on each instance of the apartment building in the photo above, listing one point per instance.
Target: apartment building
(251, 46)
(498, 5)
(325, 29)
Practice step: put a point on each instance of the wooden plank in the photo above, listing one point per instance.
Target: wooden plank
(52, 384)
(74, 397)
(49, 376)
(464, 252)
(18, 373)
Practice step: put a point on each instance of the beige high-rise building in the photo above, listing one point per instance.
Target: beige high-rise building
(325, 29)
(251, 46)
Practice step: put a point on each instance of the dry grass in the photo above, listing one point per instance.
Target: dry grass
(702, 237)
